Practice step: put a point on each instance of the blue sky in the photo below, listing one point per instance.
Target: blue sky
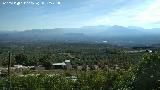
(77, 13)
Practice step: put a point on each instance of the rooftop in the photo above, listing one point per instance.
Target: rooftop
(63, 64)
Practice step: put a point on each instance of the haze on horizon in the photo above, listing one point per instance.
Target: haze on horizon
(77, 13)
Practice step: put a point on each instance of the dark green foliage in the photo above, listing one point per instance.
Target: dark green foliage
(148, 73)
(21, 59)
(46, 61)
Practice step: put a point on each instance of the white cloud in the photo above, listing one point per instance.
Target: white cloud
(145, 15)
(150, 15)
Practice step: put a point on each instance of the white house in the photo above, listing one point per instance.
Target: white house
(59, 65)
(63, 65)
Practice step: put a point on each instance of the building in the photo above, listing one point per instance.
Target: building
(59, 65)
(19, 68)
(68, 64)
(149, 51)
(64, 65)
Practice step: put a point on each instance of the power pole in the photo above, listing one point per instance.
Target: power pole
(9, 69)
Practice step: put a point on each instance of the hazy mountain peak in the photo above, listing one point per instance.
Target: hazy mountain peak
(135, 27)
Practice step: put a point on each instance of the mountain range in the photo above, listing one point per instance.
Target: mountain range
(110, 34)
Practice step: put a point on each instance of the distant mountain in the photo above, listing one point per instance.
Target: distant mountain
(121, 31)
(111, 34)
(135, 27)
(154, 30)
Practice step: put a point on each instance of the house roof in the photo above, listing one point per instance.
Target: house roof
(67, 60)
(57, 64)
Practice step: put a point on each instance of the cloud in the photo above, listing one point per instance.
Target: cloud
(145, 15)
(150, 15)
(71, 13)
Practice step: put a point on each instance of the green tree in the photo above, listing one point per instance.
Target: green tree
(148, 73)
(21, 59)
(46, 61)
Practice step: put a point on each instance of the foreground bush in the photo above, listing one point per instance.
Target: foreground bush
(95, 80)
(148, 73)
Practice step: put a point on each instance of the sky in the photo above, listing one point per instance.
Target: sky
(78, 13)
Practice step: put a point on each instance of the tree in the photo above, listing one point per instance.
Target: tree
(148, 73)
(21, 59)
(46, 61)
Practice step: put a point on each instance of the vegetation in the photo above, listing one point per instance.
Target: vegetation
(118, 69)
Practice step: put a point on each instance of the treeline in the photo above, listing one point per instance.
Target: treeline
(79, 54)
(123, 60)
